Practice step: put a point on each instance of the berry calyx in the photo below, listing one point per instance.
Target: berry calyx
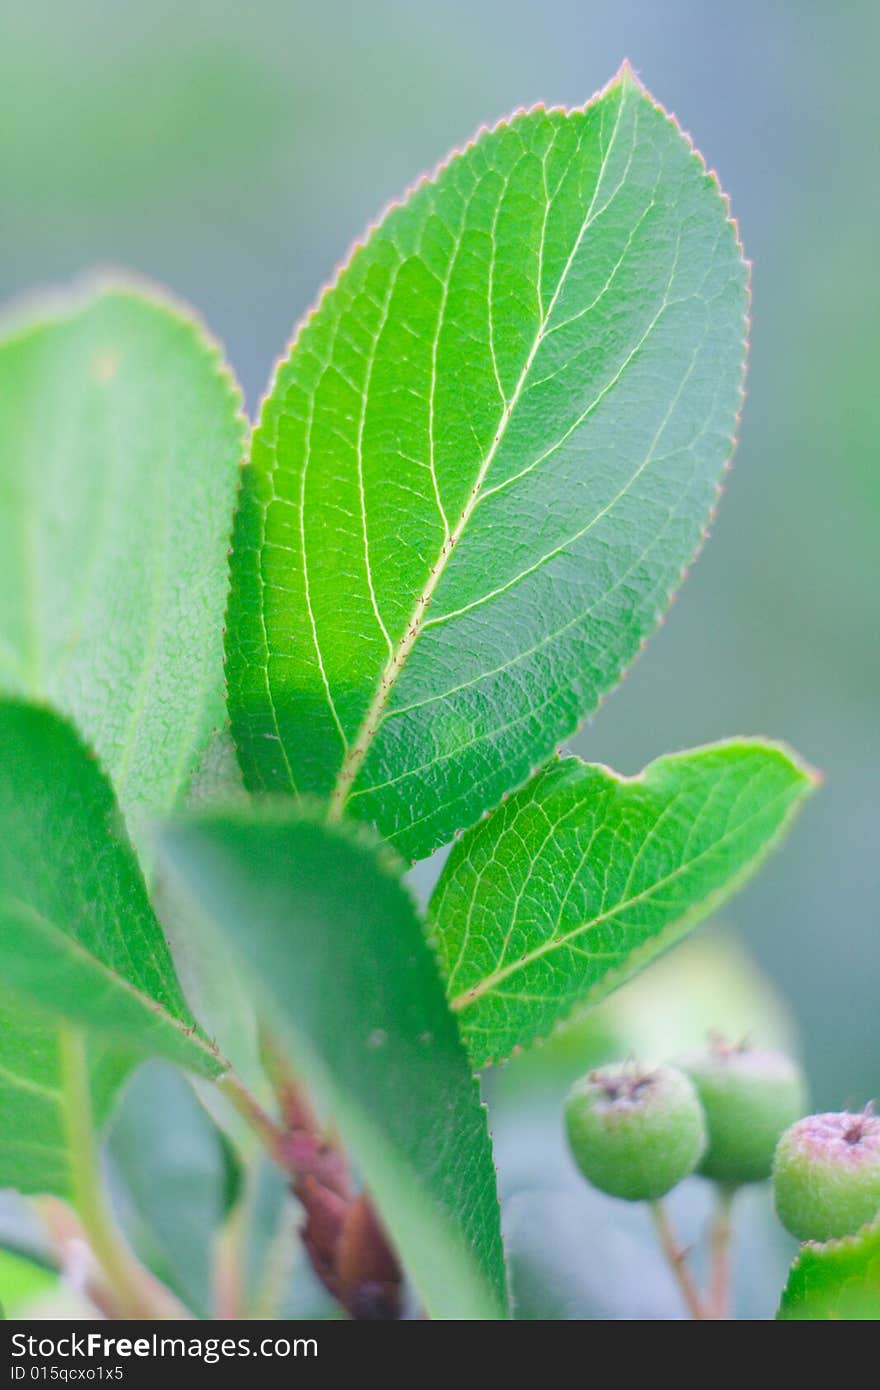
(826, 1175)
(750, 1096)
(635, 1131)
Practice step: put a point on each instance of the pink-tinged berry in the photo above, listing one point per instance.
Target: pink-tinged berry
(826, 1175)
(635, 1131)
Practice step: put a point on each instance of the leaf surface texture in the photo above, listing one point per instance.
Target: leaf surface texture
(582, 877)
(480, 473)
(120, 444)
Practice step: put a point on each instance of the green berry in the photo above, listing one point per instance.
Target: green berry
(749, 1096)
(826, 1175)
(635, 1132)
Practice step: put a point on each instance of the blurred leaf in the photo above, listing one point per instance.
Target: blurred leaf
(20, 1281)
(480, 473)
(33, 1134)
(335, 945)
(279, 1281)
(175, 1181)
(78, 939)
(836, 1281)
(207, 968)
(580, 879)
(119, 450)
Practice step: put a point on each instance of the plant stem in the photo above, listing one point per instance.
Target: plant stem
(270, 1134)
(132, 1288)
(342, 1235)
(676, 1258)
(719, 1243)
(296, 1111)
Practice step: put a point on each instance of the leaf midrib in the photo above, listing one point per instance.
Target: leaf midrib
(393, 668)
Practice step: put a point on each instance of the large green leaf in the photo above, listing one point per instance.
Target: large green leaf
(583, 877)
(838, 1281)
(480, 473)
(78, 939)
(120, 441)
(334, 942)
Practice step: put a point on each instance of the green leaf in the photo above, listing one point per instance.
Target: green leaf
(583, 877)
(836, 1281)
(120, 441)
(210, 978)
(21, 1283)
(33, 1135)
(333, 940)
(480, 473)
(78, 938)
(174, 1181)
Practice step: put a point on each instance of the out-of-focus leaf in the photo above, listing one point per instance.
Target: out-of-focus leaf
(120, 440)
(77, 934)
(21, 1281)
(175, 1181)
(33, 1135)
(337, 951)
(278, 1280)
(78, 939)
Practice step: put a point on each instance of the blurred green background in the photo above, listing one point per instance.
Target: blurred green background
(234, 152)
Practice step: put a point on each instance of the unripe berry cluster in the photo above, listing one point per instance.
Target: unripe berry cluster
(730, 1113)
(636, 1132)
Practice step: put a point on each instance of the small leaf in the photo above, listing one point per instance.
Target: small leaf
(120, 441)
(78, 937)
(479, 475)
(333, 940)
(838, 1281)
(583, 877)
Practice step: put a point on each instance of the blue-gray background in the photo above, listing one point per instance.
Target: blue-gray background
(234, 151)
